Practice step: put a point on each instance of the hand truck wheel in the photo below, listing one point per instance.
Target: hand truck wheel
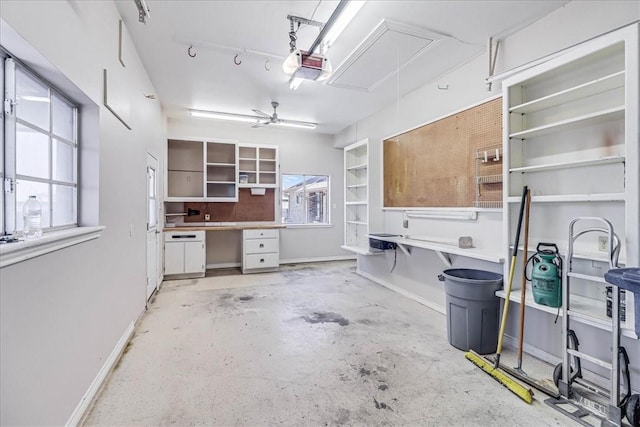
(575, 368)
(633, 410)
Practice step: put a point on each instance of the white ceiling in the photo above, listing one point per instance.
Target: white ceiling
(400, 55)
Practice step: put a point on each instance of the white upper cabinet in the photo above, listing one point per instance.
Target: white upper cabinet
(199, 170)
(258, 166)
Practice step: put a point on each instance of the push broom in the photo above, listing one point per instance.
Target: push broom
(494, 370)
(518, 372)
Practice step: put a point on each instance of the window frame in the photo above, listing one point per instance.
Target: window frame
(10, 212)
(327, 201)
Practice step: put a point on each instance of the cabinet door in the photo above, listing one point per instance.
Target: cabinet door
(194, 257)
(173, 258)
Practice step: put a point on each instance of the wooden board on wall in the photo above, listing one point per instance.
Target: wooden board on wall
(435, 165)
(247, 208)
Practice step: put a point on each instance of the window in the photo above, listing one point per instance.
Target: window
(305, 199)
(40, 150)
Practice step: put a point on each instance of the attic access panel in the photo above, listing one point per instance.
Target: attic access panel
(389, 47)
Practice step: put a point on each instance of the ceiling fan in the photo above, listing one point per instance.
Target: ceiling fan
(273, 119)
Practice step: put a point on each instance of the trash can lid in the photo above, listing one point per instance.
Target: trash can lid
(625, 278)
(471, 275)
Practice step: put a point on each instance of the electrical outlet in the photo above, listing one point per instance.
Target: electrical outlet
(405, 223)
(603, 243)
(207, 217)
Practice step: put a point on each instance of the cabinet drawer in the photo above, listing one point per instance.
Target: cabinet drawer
(270, 233)
(261, 246)
(261, 261)
(184, 236)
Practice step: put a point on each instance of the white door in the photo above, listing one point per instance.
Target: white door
(153, 231)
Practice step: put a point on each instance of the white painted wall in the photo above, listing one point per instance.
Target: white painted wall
(63, 313)
(299, 152)
(575, 22)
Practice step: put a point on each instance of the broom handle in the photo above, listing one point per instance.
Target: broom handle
(523, 290)
(505, 310)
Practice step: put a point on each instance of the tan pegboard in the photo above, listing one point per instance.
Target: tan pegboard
(435, 165)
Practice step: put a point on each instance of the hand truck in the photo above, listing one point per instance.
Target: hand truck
(568, 374)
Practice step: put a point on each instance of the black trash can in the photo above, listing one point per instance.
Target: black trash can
(473, 309)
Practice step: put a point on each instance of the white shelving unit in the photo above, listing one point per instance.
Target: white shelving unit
(185, 172)
(221, 171)
(200, 170)
(571, 135)
(260, 165)
(356, 198)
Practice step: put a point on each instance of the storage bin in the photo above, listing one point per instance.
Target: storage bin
(629, 280)
(472, 308)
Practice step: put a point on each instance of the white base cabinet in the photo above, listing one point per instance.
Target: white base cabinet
(184, 254)
(260, 250)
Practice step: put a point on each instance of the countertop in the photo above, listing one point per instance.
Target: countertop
(222, 226)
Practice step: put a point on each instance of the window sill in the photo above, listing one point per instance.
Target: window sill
(308, 225)
(12, 253)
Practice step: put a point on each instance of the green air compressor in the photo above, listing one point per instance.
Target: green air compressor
(546, 275)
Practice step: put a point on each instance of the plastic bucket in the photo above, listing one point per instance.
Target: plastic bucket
(472, 308)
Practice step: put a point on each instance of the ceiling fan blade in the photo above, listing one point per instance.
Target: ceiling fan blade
(263, 114)
(260, 124)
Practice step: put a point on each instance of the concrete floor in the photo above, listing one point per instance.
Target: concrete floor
(310, 345)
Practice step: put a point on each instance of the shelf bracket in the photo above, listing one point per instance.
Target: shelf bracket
(404, 248)
(493, 58)
(445, 257)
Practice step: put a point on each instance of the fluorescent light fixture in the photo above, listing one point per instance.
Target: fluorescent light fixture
(443, 214)
(338, 26)
(251, 119)
(302, 125)
(295, 82)
(35, 98)
(225, 116)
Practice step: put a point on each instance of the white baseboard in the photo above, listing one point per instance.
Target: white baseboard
(287, 261)
(549, 358)
(410, 295)
(223, 265)
(318, 259)
(94, 388)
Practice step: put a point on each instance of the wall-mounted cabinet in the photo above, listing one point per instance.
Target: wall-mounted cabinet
(258, 166)
(199, 170)
(571, 135)
(222, 166)
(356, 197)
(185, 169)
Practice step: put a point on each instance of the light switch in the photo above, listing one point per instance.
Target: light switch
(207, 217)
